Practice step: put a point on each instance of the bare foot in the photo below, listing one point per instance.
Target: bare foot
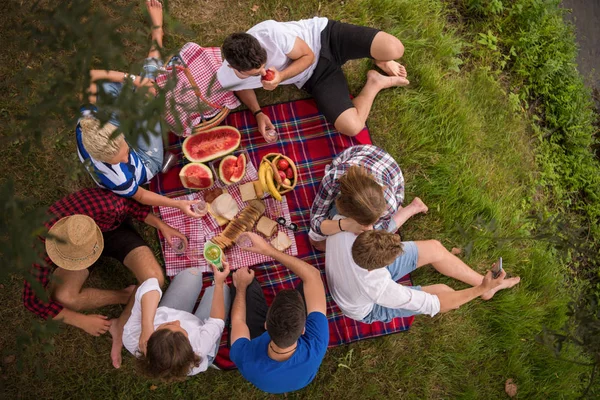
(418, 206)
(116, 331)
(383, 82)
(506, 284)
(392, 68)
(155, 11)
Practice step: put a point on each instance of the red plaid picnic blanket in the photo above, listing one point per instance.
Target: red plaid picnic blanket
(312, 143)
(203, 63)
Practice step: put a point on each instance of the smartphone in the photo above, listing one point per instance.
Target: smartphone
(497, 269)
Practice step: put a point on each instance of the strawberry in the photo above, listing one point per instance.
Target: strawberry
(289, 173)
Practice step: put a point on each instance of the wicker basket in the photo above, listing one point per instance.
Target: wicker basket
(273, 157)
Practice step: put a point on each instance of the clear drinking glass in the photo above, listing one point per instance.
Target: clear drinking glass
(271, 136)
(200, 208)
(178, 245)
(243, 241)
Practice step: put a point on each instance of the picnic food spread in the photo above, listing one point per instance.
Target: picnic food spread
(211, 144)
(244, 222)
(196, 176)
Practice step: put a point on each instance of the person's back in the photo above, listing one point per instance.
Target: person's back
(287, 356)
(351, 286)
(253, 361)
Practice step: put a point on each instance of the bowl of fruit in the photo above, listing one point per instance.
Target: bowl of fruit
(277, 174)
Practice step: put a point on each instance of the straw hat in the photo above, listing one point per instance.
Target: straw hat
(76, 242)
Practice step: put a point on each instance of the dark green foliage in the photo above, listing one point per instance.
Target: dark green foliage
(541, 52)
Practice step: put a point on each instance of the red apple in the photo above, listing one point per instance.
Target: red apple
(289, 173)
(269, 76)
(282, 175)
(283, 164)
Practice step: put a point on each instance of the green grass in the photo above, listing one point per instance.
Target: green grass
(462, 150)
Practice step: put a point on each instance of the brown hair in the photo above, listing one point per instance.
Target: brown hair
(376, 249)
(361, 197)
(169, 356)
(243, 52)
(286, 318)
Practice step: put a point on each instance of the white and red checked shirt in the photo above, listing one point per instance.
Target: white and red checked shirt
(380, 165)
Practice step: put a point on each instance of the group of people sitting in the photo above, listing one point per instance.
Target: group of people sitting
(355, 214)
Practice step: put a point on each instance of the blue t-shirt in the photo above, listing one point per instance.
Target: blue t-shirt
(254, 363)
(123, 178)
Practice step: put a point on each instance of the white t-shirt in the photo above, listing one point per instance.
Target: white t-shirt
(278, 39)
(356, 290)
(203, 335)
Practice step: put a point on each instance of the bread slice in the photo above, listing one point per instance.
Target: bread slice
(220, 220)
(247, 191)
(266, 226)
(281, 241)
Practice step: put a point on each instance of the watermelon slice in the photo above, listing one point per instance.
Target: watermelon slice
(232, 169)
(196, 176)
(212, 143)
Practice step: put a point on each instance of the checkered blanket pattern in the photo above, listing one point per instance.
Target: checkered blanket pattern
(312, 143)
(203, 63)
(198, 231)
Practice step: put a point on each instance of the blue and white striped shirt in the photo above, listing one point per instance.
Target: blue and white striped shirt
(123, 178)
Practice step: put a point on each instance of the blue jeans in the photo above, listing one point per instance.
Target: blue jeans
(150, 149)
(403, 265)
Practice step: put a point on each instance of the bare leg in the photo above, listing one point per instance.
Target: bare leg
(385, 49)
(404, 213)
(116, 331)
(352, 121)
(434, 253)
(68, 291)
(156, 18)
(437, 289)
(144, 266)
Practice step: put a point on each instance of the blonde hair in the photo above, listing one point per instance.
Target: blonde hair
(98, 140)
(376, 249)
(361, 197)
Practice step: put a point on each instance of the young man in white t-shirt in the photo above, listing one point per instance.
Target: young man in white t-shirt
(362, 272)
(310, 53)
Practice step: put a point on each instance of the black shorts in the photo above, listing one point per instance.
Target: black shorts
(340, 42)
(120, 242)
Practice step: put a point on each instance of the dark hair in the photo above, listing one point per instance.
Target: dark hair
(376, 249)
(243, 52)
(169, 356)
(286, 318)
(361, 198)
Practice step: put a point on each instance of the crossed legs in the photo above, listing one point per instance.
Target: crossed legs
(434, 253)
(385, 48)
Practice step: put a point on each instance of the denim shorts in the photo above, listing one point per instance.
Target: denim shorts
(403, 265)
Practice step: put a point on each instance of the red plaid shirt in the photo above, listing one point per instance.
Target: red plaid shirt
(103, 206)
(380, 164)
